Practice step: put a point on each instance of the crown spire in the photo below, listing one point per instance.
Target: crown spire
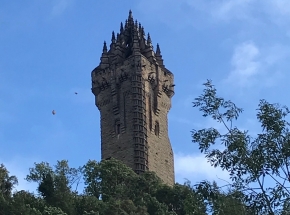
(130, 19)
(131, 39)
(130, 14)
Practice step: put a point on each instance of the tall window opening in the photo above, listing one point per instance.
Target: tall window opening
(118, 127)
(156, 128)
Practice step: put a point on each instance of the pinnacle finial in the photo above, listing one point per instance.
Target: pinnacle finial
(105, 47)
(130, 14)
(113, 37)
(126, 24)
(118, 37)
(121, 28)
(149, 39)
(143, 32)
(130, 20)
(158, 52)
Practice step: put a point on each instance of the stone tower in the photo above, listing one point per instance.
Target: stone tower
(133, 92)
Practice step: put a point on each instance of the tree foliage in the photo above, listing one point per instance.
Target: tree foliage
(258, 165)
(110, 188)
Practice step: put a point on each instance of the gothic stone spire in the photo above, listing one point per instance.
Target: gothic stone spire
(131, 40)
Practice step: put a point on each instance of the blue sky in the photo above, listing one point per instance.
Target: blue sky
(49, 48)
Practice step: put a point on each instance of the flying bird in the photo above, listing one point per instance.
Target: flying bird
(53, 112)
(76, 93)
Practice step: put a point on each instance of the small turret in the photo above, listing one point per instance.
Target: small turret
(126, 24)
(130, 19)
(130, 14)
(121, 28)
(159, 56)
(104, 58)
(142, 37)
(148, 52)
(105, 50)
(118, 38)
(149, 41)
(113, 37)
(113, 42)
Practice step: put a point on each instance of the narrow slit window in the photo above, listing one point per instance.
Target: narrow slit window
(156, 128)
(117, 127)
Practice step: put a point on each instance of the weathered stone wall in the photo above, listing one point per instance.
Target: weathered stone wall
(133, 91)
(158, 104)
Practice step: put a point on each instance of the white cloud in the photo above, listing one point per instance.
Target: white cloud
(281, 6)
(188, 12)
(246, 64)
(232, 9)
(256, 66)
(278, 11)
(195, 168)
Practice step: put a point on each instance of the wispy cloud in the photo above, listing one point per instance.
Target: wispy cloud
(229, 10)
(246, 64)
(59, 7)
(196, 168)
(255, 66)
(187, 12)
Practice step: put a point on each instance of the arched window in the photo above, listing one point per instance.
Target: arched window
(157, 128)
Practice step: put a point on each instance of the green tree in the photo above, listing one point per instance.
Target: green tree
(25, 203)
(250, 161)
(85, 204)
(6, 182)
(110, 178)
(53, 211)
(55, 184)
(181, 199)
(220, 202)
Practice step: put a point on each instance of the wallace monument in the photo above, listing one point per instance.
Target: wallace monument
(133, 92)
